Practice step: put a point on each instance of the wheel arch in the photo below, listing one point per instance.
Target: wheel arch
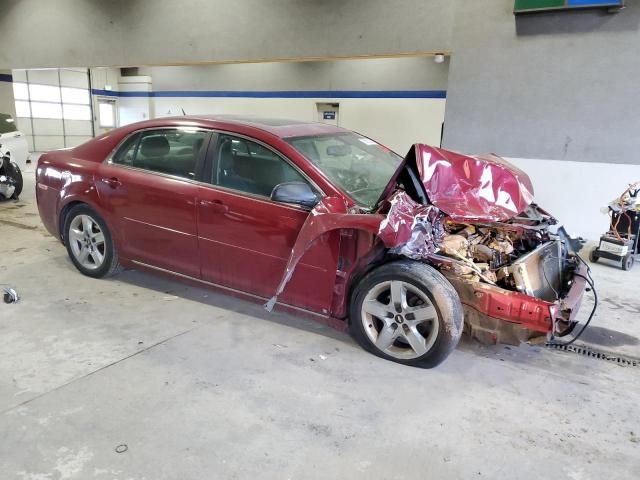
(74, 201)
(64, 211)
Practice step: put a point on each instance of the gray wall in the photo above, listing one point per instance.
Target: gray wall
(554, 86)
(420, 73)
(73, 33)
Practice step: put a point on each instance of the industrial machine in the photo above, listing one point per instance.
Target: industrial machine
(620, 243)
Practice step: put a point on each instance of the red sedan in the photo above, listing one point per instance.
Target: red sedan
(402, 252)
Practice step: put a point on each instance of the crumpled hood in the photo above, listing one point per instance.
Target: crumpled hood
(480, 188)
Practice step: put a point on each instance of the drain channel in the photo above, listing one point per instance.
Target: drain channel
(598, 354)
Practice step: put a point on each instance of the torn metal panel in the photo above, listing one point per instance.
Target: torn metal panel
(411, 229)
(331, 213)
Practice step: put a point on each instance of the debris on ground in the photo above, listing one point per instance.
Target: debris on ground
(10, 294)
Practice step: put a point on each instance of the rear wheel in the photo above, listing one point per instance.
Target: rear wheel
(407, 312)
(628, 261)
(593, 256)
(89, 243)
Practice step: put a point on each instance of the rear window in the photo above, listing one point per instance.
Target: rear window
(7, 123)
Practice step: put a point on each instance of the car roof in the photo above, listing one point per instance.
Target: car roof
(280, 127)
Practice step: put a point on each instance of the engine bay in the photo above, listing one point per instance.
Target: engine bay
(523, 254)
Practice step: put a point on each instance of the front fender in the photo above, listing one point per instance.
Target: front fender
(330, 214)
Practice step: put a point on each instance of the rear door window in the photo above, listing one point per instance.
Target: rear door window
(169, 151)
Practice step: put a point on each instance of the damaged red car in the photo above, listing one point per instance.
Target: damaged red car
(406, 253)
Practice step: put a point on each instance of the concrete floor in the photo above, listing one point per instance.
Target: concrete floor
(200, 385)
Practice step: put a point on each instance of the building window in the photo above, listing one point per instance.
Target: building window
(107, 113)
(53, 107)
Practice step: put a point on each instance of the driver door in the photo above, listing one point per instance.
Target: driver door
(246, 238)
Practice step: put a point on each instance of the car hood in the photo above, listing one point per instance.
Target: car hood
(466, 187)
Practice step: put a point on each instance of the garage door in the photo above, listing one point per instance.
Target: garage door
(53, 107)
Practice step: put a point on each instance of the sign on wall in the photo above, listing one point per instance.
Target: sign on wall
(526, 6)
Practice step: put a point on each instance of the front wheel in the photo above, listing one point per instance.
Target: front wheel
(89, 243)
(406, 312)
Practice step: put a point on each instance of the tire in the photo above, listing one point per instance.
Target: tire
(429, 317)
(89, 243)
(593, 256)
(16, 174)
(628, 261)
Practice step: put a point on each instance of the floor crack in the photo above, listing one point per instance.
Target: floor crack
(59, 387)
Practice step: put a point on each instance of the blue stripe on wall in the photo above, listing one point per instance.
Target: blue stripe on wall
(281, 93)
(6, 77)
(595, 3)
(105, 93)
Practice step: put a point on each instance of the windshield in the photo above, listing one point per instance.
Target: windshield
(356, 164)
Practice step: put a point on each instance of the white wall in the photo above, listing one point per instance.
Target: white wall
(134, 109)
(395, 122)
(574, 192)
(409, 73)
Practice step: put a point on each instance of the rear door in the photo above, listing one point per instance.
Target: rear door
(149, 189)
(246, 238)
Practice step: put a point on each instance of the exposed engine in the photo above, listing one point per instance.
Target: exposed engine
(521, 254)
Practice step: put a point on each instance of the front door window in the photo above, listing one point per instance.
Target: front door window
(249, 167)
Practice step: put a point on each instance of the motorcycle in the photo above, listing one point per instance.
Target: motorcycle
(10, 176)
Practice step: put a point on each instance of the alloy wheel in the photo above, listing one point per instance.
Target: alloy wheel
(400, 319)
(87, 242)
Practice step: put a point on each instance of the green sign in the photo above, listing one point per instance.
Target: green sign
(538, 4)
(524, 6)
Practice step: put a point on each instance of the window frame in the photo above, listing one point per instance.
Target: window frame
(211, 165)
(200, 161)
(206, 162)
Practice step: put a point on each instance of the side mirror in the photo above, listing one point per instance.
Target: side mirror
(298, 193)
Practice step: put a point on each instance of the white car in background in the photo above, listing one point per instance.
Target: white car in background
(14, 151)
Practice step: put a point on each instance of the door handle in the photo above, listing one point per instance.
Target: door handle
(113, 182)
(214, 206)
